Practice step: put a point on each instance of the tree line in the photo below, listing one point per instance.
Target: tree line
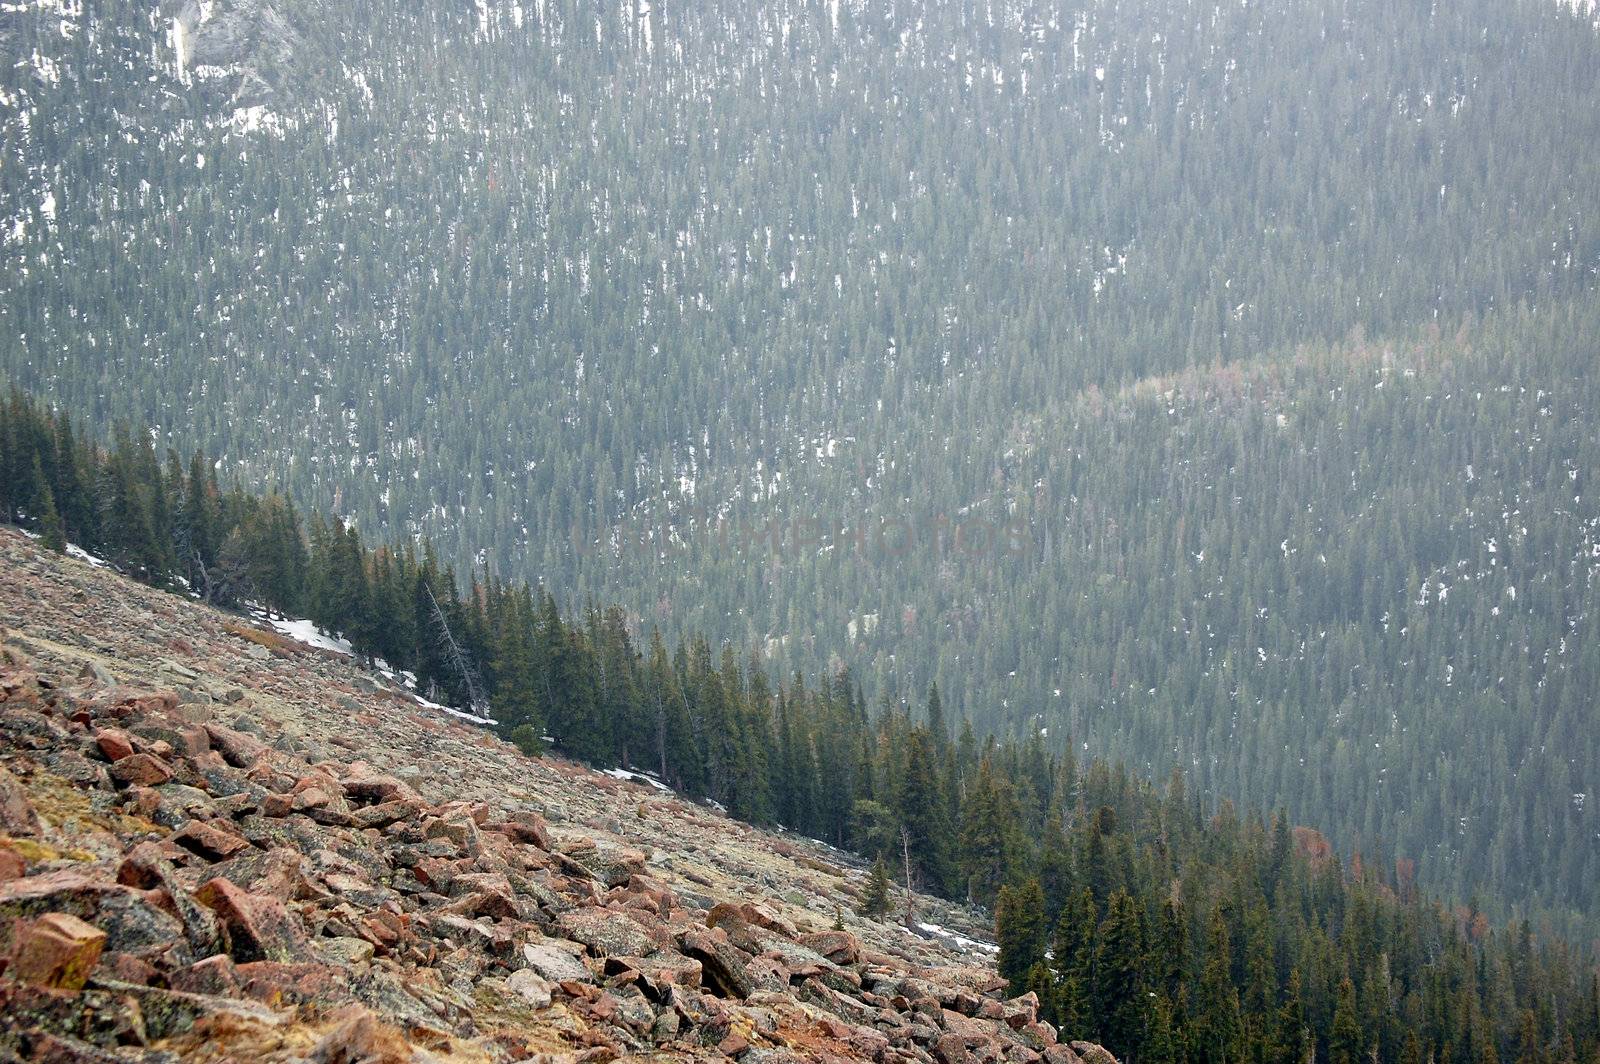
(554, 285)
(1140, 919)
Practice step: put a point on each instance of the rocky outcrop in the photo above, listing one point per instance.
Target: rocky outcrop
(200, 850)
(248, 52)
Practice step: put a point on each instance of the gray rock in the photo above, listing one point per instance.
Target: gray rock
(530, 987)
(555, 964)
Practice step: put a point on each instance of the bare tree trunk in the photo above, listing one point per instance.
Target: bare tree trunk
(905, 852)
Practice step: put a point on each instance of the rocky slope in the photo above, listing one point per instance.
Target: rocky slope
(216, 843)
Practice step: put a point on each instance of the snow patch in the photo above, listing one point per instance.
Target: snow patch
(950, 938)
(308, 633)
(471, 718)
(636, 777)
(75, 551)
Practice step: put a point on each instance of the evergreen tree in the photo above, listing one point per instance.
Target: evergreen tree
(1344, 1039)
(1021, 931)
(1121, 989)
(875, 900)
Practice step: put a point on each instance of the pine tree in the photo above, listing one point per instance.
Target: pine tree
(875, 899)
(1217, 1028)
(51, 533)
(1121, 994)
(923, 812)
(937, 728)
(1291, 1039)
(991, 836)
(1344, 1038)
(1020, 929)
(1072, 957)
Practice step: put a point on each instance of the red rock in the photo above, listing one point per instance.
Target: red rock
(492, 904)
(363, 785)
(723, 965)
(19, 685)
(237, 748)
(193, 741)
(141, 801)
(12, 866)
(752, 914)
(733, 1045)
(1019, 1012)
(49, 1047)
(282, 984)
(840, 947)
(214, 975)
(126, 968)
(277, 806)
(659, 970)
(833, 1028)
(57, 950)
(385, 813)
(145, 866)
(114, 743)
(122, 703)
(358, 1038)
(384, 929)
(257, 928)
(436, 873)
(141, 770)
(658, 892)
(525, 825)
(209, 841)
(16, 812)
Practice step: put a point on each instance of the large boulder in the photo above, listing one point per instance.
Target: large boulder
(16, 812)
(133, 923)
(1090, 1053)
(56, 950)
(610, 934)
(724, 966)
(840, 947)
(256, 927)
(141, 770)
(555, 964)
(364, 785)
(612, 865)
(237, 748)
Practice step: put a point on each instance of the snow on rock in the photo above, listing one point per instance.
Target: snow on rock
(308, 633)
(471, 718)
(637, 777)
(954, 941)
(75, 551)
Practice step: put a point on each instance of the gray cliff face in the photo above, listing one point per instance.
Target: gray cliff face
(245, 51)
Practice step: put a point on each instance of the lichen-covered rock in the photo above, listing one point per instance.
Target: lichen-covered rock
(610, 934)
(336, 873)
(17, 816)
(56, 950)
(132, 922)
(555, 964)
(256, 927)
(141, 770)
(237, 748)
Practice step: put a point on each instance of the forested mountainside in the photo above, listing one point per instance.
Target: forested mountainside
(1128, 912)
(1248, 348)
(219, 843)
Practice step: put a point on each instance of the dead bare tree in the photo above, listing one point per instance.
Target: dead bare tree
(905, 852)
(457, 657)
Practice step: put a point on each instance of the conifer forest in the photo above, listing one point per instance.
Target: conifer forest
(1120, 464)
